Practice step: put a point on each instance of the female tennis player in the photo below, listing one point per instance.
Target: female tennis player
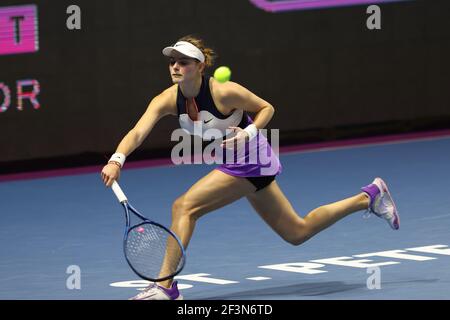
(194, 97)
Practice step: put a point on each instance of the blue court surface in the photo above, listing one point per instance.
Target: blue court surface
(54, 229)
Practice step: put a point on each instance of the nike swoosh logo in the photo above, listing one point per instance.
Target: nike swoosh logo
(207, 121)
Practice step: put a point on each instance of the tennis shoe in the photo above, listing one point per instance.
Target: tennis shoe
(381, 203)
(156, 292)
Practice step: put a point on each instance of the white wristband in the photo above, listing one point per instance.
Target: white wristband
(252, 131)
(118, 157)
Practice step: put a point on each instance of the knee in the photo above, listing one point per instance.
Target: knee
(183, 208)
(297, 240)
(299, 235)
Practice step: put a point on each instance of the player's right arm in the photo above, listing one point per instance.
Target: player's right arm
(160, 106)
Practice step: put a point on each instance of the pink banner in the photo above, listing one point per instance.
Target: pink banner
(291, 5)
(18, 29)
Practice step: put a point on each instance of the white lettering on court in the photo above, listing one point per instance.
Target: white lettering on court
(300, 267)
(436, 249)
(396, 254)
(201, 277)
(349, 262)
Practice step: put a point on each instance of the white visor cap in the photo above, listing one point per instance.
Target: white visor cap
(185, 48)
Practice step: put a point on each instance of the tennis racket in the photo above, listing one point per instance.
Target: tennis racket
(152, 251)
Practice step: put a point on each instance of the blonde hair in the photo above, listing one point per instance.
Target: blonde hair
(209, 53)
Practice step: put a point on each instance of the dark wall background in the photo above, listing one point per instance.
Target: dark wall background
(327, 75)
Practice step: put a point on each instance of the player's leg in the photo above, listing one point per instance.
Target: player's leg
(211, 192)
(273, 206)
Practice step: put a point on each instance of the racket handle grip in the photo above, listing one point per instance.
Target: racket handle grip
(118, 192)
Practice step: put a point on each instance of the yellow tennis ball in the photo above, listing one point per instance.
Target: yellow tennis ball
(222, 74)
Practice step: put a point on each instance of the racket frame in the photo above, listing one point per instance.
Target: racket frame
(127, 208)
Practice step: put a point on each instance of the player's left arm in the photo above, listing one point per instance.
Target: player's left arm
(235, 96)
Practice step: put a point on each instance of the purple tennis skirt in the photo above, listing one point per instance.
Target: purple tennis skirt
(257, 159)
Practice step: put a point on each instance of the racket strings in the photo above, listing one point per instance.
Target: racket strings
(153, 252)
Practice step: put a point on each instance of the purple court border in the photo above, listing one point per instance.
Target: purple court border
(290, 5)
(300, 148)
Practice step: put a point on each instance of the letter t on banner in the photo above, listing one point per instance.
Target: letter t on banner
(18, 29)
